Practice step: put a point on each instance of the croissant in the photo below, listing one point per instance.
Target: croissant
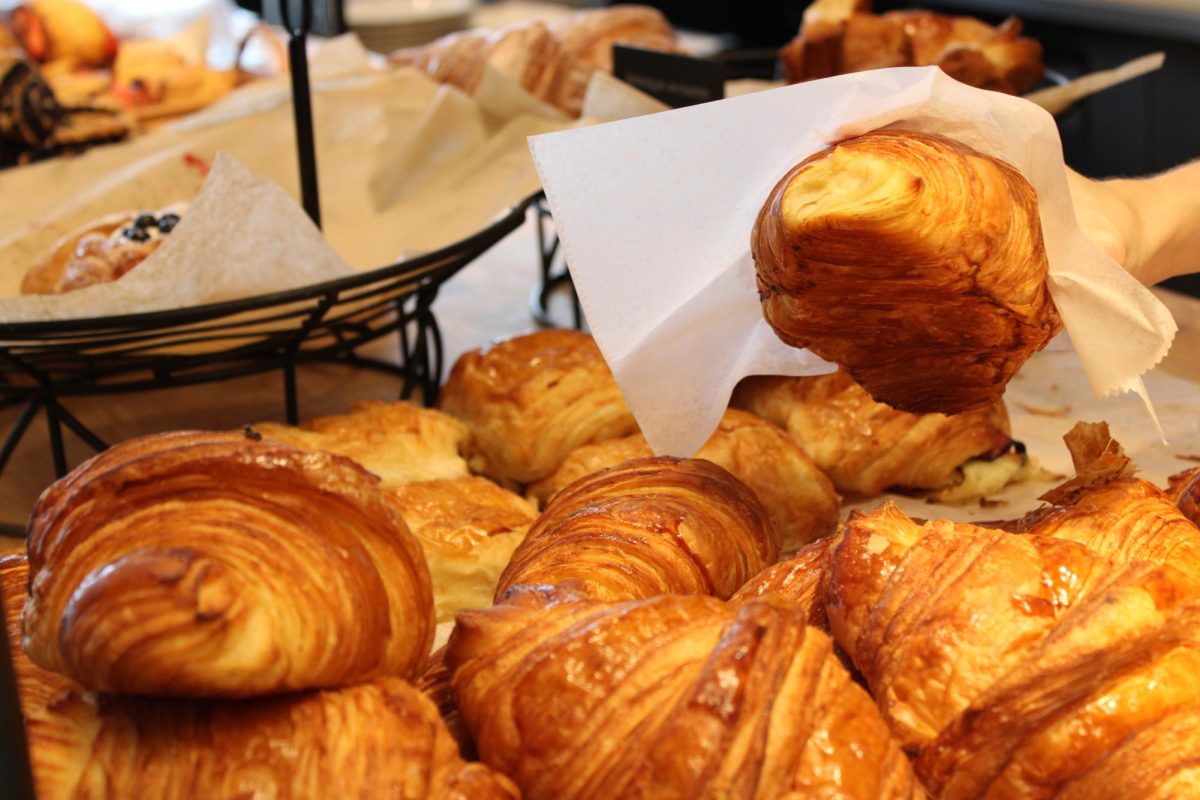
(211, 564)
(866, 447)
(100, 251)
(797, 580)
(647, 527)
(468, 529)
(670, 697)
(1014, 665)
(532, 400)
(1183, 488)
(375, 740)
(400, 442)
(798, 497)
(912, 261)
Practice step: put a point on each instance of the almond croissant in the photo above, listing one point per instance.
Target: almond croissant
(671, 697)
(647, 527)
(381, 739)
(1014, 665)
(911, 260)
(797, 496)
(213, 564)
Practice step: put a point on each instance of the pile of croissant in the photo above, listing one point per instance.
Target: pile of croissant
(251, 613)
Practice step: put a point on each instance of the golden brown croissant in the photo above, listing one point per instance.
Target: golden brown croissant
(468, 529)
(207, 564)
(647, 527)
(798, 581)
(671, 697)
(400, 442)
(1012, 665)
(379, 739)
(866, 447)
(533, 399)
(1184, 490)
(798, 497)
(101, 251)
(911, 260)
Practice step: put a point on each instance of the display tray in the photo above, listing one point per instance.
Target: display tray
(42, 363)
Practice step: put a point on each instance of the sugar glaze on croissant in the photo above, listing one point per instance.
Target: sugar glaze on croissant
(911, 260)
(212, 564)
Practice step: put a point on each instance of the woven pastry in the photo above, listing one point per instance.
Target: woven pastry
(1018, 665)
(210, 564)
(381, 739)
(532, 400)
(671, 697)
(798, 497)
(911, 260)
(647, 527)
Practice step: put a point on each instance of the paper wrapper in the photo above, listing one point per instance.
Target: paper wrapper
(655, 216)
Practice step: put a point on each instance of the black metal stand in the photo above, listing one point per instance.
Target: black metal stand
(551, 280)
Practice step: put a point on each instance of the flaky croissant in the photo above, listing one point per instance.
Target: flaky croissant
(866, 447)
(381, 739)
(1183, 489)
(798, 497)
(799, 581)
(212, 564)
(468, 529)
(911, 260)
(400, 442)
(671, 697)
(532, 400)
(1014, 665)
(647, 527)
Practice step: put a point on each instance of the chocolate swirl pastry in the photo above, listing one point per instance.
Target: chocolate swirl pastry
(911, 260)
(29, 113)
(101, 251)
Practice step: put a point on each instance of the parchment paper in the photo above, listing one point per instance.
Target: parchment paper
(655, 215)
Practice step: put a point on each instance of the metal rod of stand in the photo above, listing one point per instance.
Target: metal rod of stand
(306, 150)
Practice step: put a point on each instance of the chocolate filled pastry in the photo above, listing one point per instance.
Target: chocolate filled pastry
(100, 252)
(914, 262)
(214, 565)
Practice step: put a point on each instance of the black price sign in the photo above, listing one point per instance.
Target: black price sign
(676, 80)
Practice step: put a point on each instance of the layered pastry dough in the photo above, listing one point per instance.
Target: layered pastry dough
(798, 497)
(670, 697)
(911, 260)
(532, 400)
(400, 442)
(866, 447)
(647, 527)
(211, 564)
(468, 529)
(797, 580)
(1018, 665)
(381, 739)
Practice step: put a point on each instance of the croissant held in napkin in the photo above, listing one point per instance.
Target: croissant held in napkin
(866, 447)
(911, 260)
(1014, 665)
(531, 400)
(211, 564)
(375, 740)
(798, 497)
(670, 697)
(647, 527)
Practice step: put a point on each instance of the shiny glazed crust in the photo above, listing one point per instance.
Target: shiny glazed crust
(88, 256)
(798, 497)
(533, 399)
(647, 527)
(911, 260)
(670, 697)
(1184, 490)
(468, 529)
(866, 447)
(375, 740)
(798, 581)
(1012, 665)
(400, 442)
(211, 564)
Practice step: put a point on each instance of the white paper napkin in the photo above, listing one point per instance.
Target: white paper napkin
(655, 215)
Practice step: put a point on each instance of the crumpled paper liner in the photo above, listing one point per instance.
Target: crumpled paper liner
(655, 215)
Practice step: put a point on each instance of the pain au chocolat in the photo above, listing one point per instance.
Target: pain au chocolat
(911, 260)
